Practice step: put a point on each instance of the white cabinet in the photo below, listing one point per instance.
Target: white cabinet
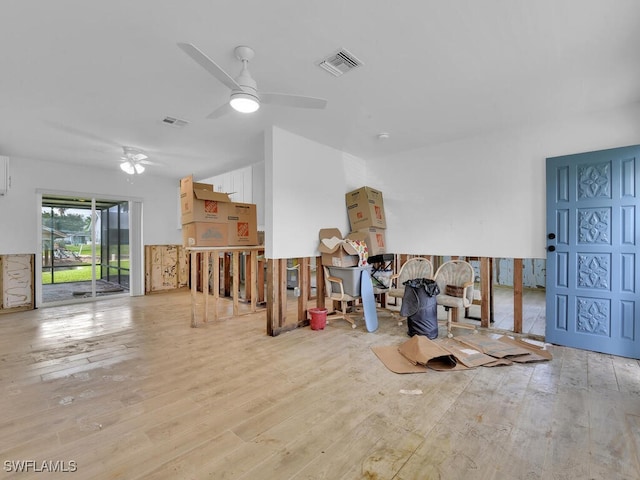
(4, 175)
(239, 183)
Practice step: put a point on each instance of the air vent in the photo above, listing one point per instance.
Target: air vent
(340, 63)
(174, 122)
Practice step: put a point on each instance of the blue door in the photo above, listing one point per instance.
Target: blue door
(593, 222)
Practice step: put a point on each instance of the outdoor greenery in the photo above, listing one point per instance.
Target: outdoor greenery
(65, 225)
(124, 264)
(77, 274)
(84, 250)
(82, 271)
(66, 222)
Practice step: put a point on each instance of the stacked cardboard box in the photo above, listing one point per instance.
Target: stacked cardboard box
(211, 219)
(365, 207)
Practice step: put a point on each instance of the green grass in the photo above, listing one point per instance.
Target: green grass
(85, 250)
(79, 249)
(79, 274)
(124, 264)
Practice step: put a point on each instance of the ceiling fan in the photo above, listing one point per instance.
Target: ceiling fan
(245, 97)
(133, 161)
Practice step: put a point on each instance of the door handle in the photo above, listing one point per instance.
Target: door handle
(551, 236)
(551, 248)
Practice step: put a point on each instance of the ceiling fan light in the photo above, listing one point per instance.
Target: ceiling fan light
(128, 167)
(244, 102)
(131, 167)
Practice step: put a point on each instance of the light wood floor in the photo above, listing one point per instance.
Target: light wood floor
(127, 390)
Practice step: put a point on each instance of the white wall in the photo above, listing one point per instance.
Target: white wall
(305, 187)
(485, 196)
(18, 209)
(258, 184)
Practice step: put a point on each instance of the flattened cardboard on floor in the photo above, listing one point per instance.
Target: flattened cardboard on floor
(416, 355)
(395, 361)
(493, 347)
(423, 351)
(536, 353)
(465, 354)
(469, 357)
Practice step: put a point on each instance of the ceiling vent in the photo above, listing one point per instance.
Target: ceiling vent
(340, 63)
(174, 122)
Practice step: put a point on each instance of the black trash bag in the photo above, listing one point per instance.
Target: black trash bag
(420, 307)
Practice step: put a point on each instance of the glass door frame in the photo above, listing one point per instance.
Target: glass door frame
(136, 250)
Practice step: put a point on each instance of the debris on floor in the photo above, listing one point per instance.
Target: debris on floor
(419, 353)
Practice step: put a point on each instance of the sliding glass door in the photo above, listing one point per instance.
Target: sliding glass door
(114, 253)
(85, 248)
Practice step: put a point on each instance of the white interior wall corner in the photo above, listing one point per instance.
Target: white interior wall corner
(306, 185)
(485, 196)
(258, 183)
(268, 192)
(355, 171)
(31, 176)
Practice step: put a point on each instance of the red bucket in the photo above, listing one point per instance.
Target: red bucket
(318, 318)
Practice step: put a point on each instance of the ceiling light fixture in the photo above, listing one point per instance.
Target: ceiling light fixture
(131, 167)
(244, 102)
(132, 159)
(245, 99)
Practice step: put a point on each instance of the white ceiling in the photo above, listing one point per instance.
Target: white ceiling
(79, 79)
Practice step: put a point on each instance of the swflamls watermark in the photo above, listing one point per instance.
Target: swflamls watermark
(40, 466)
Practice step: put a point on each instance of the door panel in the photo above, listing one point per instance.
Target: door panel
(592, 231)
(85, 243)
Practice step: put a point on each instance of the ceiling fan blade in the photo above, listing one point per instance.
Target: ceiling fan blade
(80, 133)
(220, 111)
(209, 65)
(296, 101)
(143, 162)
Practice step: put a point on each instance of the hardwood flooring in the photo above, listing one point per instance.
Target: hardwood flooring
(125, 389)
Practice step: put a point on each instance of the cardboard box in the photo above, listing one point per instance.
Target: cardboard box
(340, 258)
(335, 251)
(199, 203)
(365, 208)
(205, 234)
(242, 219)
(206, 206)
(211, 219)
(373, 237)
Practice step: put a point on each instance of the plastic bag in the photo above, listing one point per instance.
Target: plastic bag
(420, 307)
